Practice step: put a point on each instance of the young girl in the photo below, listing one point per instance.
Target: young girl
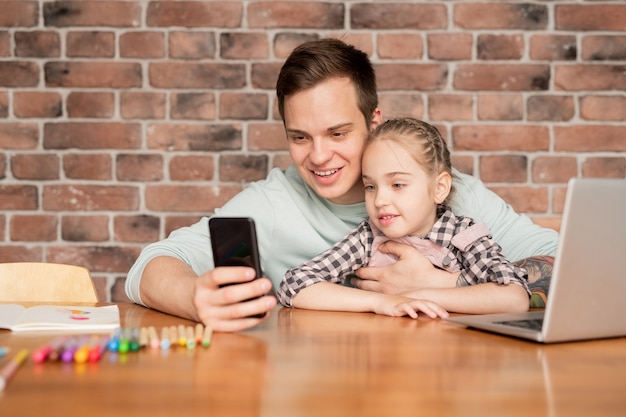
(408, 182)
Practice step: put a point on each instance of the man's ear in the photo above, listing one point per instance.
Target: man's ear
(377, 118)
(443, 184)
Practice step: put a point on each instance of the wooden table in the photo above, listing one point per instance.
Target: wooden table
(307, 363)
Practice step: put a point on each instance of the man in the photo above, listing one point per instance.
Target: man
(328, 101)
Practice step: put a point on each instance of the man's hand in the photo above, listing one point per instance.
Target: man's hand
(412, 271)
(228, 308)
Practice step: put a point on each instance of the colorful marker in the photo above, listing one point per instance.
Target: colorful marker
(154, 337)
(144, 337)
(114, 342)
(182, 341)
(43, 353)
(124, 346)
(82, 353)
(165, 338)
(4, 350)
(10, 368)
(199, 333)
(173, 336)
(191, 340)
(69, 349)
(55, 354)
(95, 354)
(206, 337)
(134, 340)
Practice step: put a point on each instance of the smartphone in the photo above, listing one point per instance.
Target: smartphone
(234, 243)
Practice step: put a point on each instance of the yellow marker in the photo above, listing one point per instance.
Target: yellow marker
(82, 353)
(86, 344)
(182, 341)
(10, 368)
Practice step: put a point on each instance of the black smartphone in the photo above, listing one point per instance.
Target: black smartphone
(234, 243)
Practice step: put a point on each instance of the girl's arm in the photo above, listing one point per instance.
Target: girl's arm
(332, 265)
(485, 298)
(333, 297)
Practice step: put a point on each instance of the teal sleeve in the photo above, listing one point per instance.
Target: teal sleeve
(519, 237)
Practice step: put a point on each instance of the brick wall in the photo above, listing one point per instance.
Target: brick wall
(123, 120)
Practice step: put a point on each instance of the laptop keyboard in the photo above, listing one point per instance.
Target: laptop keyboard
(533, 324)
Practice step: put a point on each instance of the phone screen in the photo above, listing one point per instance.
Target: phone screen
(234, 242)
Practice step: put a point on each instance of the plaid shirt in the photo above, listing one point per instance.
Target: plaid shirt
(479, 258)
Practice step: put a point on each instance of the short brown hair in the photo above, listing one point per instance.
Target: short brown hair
(316, 61)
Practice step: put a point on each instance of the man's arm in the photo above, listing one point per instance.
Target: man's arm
(539, 270)
(171, 286)
(168, 285)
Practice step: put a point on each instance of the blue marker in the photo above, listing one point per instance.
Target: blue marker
(165, 338)
(3, 350)
(114, 341)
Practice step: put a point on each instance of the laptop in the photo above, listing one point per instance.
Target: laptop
(587, 295)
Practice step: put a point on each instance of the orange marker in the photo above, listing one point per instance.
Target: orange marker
(199, 333)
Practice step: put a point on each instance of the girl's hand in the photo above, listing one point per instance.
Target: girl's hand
(397, 306)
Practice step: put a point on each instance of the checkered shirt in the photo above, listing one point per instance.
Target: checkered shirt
(482, 260)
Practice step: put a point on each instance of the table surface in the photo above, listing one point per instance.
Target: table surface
(311, 363)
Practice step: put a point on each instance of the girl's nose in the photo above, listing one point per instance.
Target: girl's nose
(381, 199)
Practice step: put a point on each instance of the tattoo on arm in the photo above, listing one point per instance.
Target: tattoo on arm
(539, 270)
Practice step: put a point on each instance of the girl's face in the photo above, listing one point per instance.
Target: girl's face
(400, 197)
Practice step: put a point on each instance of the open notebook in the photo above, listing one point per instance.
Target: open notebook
(587, 296)
(18, 318)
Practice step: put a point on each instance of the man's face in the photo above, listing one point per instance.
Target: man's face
(326, 133)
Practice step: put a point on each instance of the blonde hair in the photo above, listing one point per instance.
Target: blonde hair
(421, 140)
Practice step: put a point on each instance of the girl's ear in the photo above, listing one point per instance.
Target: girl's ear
(443, 184)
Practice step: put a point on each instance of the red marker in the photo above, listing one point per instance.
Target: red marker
(95, 354)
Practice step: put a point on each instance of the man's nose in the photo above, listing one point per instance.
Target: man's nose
(321, 151)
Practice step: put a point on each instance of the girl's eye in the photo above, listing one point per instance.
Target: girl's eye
(397, 185)
(369, 188)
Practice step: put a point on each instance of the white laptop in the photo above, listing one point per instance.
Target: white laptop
(587, 295)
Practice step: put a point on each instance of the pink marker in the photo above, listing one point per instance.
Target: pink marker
(41, 354)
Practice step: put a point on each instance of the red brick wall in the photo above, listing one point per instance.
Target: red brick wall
(122, 120)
